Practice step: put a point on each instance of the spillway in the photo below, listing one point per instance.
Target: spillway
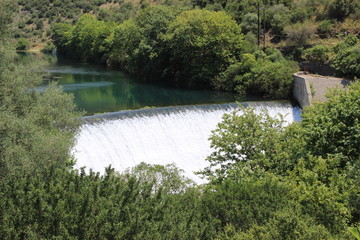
(159, 136)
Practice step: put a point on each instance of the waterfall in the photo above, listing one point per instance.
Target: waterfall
(159, 136)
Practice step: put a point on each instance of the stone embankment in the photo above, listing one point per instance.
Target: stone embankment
(309, 88)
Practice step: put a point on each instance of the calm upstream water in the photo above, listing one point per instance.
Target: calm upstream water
(97, 89)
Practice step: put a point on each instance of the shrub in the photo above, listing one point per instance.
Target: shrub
(300, 33)
(325, 27)
(48, 48)
(249, 23)
(347, 61)
(279, 17)
(347, 58)
(22, 44)
(340, 9)
(269, 75)
(317, 54)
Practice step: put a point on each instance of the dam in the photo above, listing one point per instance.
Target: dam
(160, 135)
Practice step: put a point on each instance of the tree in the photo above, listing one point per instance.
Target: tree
(124, 42)
(202, 44)
(339, 9)
(243, 138)
(250, 23)
(152, 54)
(317, 54)
(347, 58)
(22, 44)
(300, 33)
(317, 157)
(62, 37)
(278, 17)
(268, 75)
(333, 127)
(36, 129)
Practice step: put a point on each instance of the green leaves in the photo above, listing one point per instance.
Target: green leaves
(347, 58)
(203, 44)
(317, 159)
(268, 75)
(62, 203)
(244, 139)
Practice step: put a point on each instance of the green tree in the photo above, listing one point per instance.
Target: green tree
(152, 53)
(243, 138)
(22, 44)
(270, 75)
(317, 54)
(347, 58)
(36, 129)
(62, 37)
(278, 17)
(317, 157)
(332, 127)
(124, 42)
(339, 9)
(203, 44)
(250, 23)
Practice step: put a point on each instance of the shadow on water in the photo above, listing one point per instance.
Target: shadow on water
(97, 89)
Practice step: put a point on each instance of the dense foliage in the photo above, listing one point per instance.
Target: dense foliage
(36, 129)
(190, 48)
(317, 157)
(267, 181)
(196, 48)
(266, 74)
(347, 58)
(344, 57)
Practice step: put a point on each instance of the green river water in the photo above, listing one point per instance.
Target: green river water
(97, 89)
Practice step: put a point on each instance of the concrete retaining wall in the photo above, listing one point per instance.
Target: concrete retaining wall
(301, 90)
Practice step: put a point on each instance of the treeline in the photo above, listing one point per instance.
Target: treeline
(196, 48)
(36, 16)
(278, 18)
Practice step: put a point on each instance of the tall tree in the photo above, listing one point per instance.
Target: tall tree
(203, 43)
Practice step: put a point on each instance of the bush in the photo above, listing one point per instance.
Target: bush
(317, 54)
(325, 27)
(347, 61)
(300, 33)
(347, 58)
(279, 17)
(22, 44)
(340, 9)
(48, 48)
(270, 75)
(249, 23)
(202, 44)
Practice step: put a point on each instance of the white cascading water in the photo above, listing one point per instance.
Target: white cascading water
(159, 136)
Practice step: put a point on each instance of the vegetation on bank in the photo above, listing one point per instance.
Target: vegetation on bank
(266, 180)
(195, 48)
(176, 41)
